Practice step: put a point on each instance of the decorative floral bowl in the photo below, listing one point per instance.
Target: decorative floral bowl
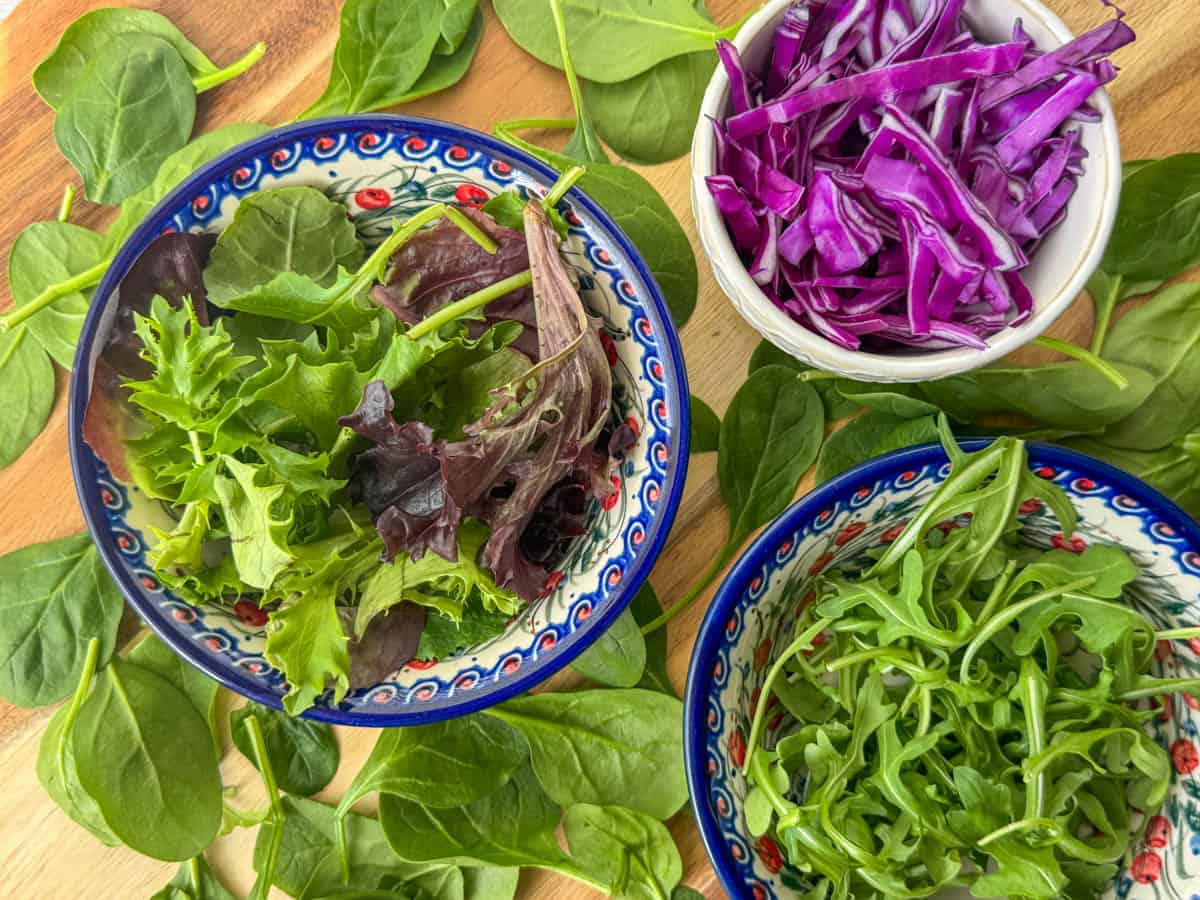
(382, 168)
(869, 506)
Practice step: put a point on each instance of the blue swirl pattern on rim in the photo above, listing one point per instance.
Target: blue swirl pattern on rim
(413, 163)
(868, 506)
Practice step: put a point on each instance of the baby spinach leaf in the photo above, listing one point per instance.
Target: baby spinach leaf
(513, 826)
(54, 599)
(129, 112)
(307, 862)
(646, 31)
(52, 253)
(618, 657)
(650, 117)
(770, 436)
(1163, 338)
(836, 406)
(446, 764)
(457, 19)
(381, 51)
(446, 71)
(1156, 235)
(176, 167)
(638, 209)
(1068, 396)
(26, 392)
(291, 229)
(1171, 470)
(646, 609)
(583, 144)
(145, 756)
(706, 427)
(156, 656)
(871, 434)
(303, 753)
(628, 850)
(62, 784)
(683, 892)
(611, 747)
(194, 880)
(895, 399)
(103, 32)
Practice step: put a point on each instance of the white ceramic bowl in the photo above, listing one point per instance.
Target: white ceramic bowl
(1058, 272)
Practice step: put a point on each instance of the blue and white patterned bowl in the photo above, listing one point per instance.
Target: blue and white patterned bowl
(386, 167)
(868, 506)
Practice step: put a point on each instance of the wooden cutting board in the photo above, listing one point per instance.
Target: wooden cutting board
(43, 855)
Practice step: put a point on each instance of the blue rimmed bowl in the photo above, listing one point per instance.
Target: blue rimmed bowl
(750, 622)
(382, 168)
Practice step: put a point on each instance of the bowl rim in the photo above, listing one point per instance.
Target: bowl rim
(754, 306)
(734, 585)
(675, 381)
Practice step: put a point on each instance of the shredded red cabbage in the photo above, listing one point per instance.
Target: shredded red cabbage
(886, 176)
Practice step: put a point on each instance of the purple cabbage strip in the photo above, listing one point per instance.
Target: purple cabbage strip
(888, 184)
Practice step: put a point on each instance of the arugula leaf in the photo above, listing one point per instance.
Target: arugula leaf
(26, 393)
(304, 754)
(127, 113)
(382, 50)
(54, 599)
(290, 229)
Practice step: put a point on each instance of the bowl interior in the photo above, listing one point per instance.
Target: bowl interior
(1056, 274)
(751, 622)
(384, 168)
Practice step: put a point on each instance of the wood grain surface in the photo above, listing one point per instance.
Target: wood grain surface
(43, 855)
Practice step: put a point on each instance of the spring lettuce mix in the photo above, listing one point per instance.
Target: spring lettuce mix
(364, 473)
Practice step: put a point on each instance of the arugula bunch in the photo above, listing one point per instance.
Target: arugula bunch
(940, 734)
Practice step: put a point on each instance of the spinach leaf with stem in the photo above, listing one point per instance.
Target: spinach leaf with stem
(646, 609)
(1162, 338)
(826, 384)
(303, 754)
(630, 851)
(770, 436)
(637, 208)
(869, 436)
(650, 118)
(26, 393)
(583, 143)
(56, 770)
(647, 32)
(104, 32)
(194, 880)
(64, 262)
(277, 817)
(382, 50)
(129, 112)
(445, 71)
(447, 764)
(706, 427)
(1171, 469)
(610, 747)
(141, 719)
(151, 653)
(56, 598)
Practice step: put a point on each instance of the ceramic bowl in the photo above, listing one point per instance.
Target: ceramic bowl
(382, 168)
(1058, 272)
(862, 509)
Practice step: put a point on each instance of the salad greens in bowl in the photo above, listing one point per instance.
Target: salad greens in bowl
(378, 419)
(954, 672)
